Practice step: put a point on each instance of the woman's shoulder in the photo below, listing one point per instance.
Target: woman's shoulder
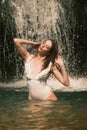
(29, 58)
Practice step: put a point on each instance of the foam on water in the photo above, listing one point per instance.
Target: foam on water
(76, 84)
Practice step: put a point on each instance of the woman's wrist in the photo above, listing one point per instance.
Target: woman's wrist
(57, 64)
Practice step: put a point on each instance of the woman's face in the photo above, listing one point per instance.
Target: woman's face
(45, 46)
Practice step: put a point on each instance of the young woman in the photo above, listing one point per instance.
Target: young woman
(38, 67)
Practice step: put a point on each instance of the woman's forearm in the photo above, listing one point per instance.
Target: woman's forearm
(23, 41)
(65, 76)
(22, 51)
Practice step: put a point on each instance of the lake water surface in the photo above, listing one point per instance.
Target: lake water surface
(17, 113)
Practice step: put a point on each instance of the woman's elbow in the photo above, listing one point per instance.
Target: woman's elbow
(66, 83)
(14, 40)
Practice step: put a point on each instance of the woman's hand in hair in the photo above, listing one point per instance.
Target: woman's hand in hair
(36, 45)
(59, 61)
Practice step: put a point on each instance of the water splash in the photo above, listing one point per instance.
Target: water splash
(79, 84)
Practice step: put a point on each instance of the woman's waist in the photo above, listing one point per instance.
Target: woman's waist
(38, 76)
(36, 81)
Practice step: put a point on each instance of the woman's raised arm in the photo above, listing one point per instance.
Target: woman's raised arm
(19, 45)
(62, 74)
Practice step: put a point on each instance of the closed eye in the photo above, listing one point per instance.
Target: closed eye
(47, 46)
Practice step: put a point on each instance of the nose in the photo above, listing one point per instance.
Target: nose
(42, 45)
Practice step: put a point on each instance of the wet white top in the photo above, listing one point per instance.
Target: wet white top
(40, 75)
(38, 89)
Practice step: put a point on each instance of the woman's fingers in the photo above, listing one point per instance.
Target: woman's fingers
(59, 60)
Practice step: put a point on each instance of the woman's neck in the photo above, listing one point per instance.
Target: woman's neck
(40, 57)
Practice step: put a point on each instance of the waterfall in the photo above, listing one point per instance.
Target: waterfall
(36, 20)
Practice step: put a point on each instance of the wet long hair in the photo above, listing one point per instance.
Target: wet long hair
(52, 54)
